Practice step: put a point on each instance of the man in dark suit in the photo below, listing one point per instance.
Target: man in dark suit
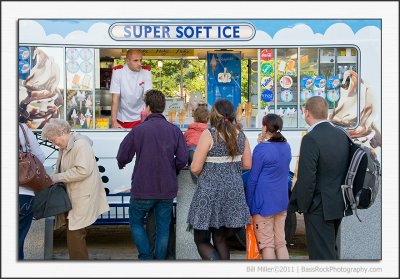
(323, 163)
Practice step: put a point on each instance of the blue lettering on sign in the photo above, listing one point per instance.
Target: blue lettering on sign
(166, 32)
(236, 32)
(147, 31)
(207, 28)
(137, 31)
(156, 31)
(179, 33)
(127, 32)
(190, 33)
(160, 31)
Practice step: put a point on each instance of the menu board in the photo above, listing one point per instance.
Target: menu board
(79, 64)
(175, 111)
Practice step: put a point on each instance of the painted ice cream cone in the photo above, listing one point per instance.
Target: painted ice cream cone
(239, 113)
(213, 64)
(249, 109)
(182, 116)
(248, 112)
(248, 121)
(88, 117)
(172, 115)
(74, 116)
(81, 119)
(73, 103)
(81, 97)
(189, 109)
(88, 102)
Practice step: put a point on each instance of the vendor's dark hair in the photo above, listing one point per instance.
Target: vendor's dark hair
(155, 99)
(274, 124)
(223, 119)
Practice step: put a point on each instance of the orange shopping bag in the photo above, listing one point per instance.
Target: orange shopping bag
(252, 251)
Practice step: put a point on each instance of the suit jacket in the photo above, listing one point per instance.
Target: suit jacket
(323, 164)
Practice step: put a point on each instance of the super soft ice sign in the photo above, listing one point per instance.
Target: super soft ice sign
(161, 31)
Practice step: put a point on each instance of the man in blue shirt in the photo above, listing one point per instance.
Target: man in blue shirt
(161, 153)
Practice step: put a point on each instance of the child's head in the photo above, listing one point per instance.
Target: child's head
(201, 114)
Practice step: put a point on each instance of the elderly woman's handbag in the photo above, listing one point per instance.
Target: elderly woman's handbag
(31, 172)
(51, 201)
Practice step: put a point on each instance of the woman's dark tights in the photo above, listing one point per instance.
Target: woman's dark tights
(208, 251)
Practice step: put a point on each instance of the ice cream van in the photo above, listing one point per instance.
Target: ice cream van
(261, 65)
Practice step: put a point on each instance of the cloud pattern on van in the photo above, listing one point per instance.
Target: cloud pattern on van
(32, 32)
(302, 34)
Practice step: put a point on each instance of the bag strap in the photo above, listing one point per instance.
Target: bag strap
(28, 147)
(355, 161)
(347, 188)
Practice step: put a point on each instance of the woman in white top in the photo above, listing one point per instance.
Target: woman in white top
(25, 196)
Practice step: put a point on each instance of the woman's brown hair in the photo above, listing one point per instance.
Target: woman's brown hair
(274, 124)
(201, 114)
(223, 119)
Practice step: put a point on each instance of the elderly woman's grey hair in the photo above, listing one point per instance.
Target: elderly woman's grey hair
(55, 128)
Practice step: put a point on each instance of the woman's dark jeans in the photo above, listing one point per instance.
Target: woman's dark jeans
(25, 220)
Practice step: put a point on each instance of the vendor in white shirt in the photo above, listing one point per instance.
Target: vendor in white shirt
(128, 85)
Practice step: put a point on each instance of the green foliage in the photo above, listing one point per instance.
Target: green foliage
(167, 78)
(193, 75)
(245, 81)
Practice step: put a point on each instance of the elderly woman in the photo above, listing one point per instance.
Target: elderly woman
(77, 168)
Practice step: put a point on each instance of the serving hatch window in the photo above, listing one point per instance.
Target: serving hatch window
(300, 73)
(73, 83)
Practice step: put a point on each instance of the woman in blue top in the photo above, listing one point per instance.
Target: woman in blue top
(267, 189)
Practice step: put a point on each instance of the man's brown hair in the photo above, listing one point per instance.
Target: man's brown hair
(155, 99)
(318, 107)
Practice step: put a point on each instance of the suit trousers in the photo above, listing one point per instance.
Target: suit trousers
(76, 243)
(321, 237)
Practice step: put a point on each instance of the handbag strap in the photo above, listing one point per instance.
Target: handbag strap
(28, 147)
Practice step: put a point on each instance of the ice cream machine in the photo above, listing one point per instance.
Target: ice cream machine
(224, 77)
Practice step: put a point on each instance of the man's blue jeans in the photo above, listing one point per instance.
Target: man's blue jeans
(25, 203)
(137, 211)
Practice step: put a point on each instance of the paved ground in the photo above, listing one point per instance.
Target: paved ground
(107, 242)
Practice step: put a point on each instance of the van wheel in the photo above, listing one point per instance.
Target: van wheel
(290, 226)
